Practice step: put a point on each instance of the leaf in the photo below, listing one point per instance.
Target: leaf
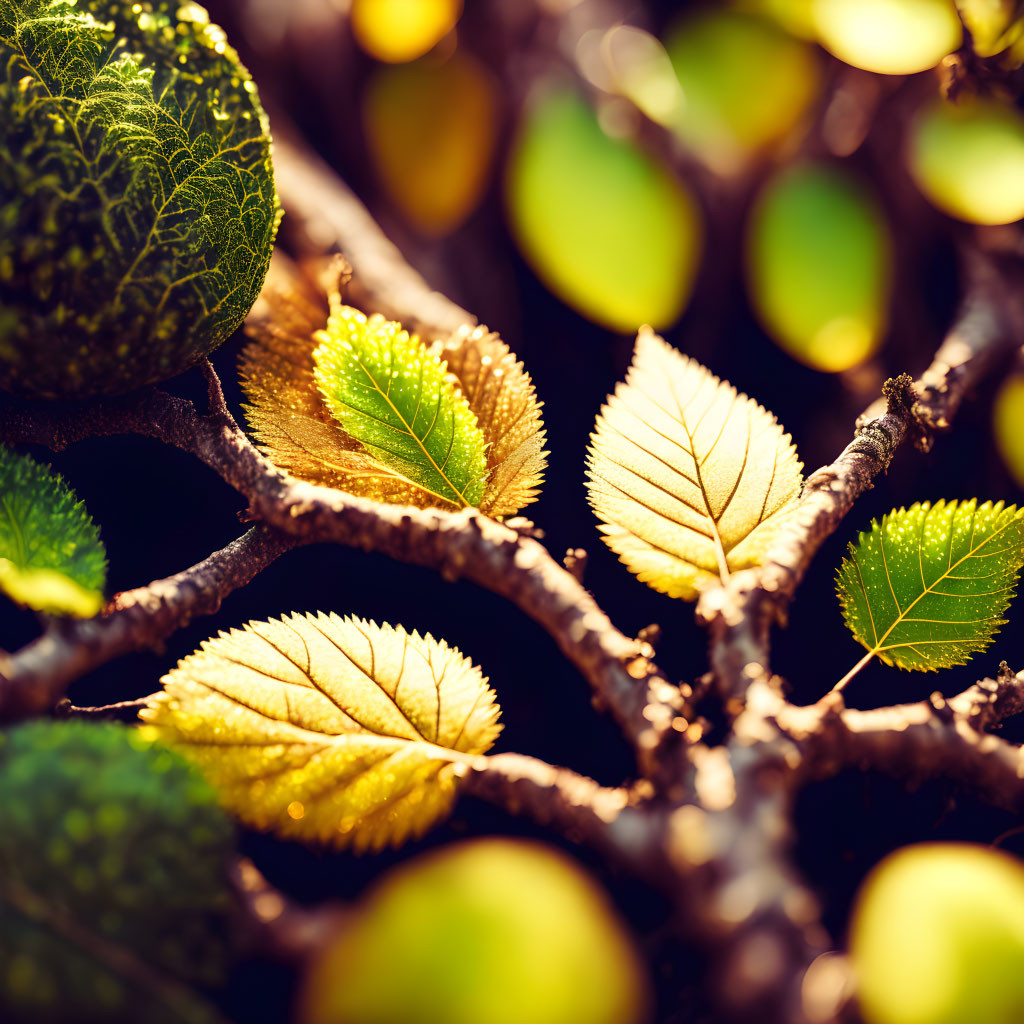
(51, 556)
(389, 393)
(329, 729)
(295, 429)
(926, 588)
(136, 193)
(501, 396)
(607, 227)
(445, 110)
(691, 481)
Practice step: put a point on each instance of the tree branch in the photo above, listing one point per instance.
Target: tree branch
(33, 679)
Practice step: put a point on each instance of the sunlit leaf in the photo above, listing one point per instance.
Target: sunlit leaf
(746, 82)
(968, 159)
(113, 892)
(1008, 425)
(994, 24)
(501, 396)
(691, 481)
(927, 587)
(606, 227)
(401, 30)
(328, 729)
(515, 933)
(431, 129)
(392, 395)
(51, 557)
(818, 266)
(295, 429)
(892, 37)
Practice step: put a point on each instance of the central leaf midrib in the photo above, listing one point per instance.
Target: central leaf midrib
(928, 589)
(409, 429)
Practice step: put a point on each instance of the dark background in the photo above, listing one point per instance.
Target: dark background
(161, 511)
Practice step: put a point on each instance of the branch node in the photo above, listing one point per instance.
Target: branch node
(575, 562)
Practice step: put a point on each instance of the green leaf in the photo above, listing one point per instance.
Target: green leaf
(328, 729)
(136, 193)
(394, 397)
(113, 892)
(51, 557)
(927, 587)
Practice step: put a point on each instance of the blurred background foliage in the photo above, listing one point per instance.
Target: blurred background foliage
(783, 187)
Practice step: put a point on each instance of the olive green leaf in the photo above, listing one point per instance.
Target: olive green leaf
(114, 899)
(395, 398)
(51, 557)
(328, 729)
(927, 586)
(691, 480)
(136, 193)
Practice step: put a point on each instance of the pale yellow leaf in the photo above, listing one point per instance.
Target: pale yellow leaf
(690, 479)
(296, 431)
(328, 729)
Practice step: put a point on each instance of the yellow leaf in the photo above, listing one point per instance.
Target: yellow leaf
(690, 479)
(296, 431)
(328, 729)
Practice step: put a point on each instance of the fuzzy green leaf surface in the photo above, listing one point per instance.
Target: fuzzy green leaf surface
(391, 394)
(927, 586)
(51, 556)
(114, 899)
(137, 200)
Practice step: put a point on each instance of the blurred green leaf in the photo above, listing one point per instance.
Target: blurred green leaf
(113, 894)
(818, 262)
(746, 84)
(968, 159)
(486, 932)
(51, 557)
(606, 227)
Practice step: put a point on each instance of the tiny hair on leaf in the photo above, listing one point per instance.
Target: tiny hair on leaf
(51, 556)
(690, 479)
(927, 586)
(328, 729)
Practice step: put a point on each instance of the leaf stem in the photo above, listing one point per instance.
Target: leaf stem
(853, 671)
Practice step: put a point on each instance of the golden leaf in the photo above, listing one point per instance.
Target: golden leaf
(501, 395)
(295, 430)
(690, 479)
(328, 729)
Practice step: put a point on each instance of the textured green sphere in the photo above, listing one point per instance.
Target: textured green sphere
(137, 201)
(938, 937)
(113, 854)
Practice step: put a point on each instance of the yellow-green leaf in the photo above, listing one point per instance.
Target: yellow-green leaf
(51, 556)
(294, 428)
(606, 227)
(690, 479)
(328, 729)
